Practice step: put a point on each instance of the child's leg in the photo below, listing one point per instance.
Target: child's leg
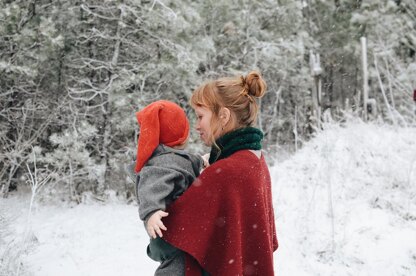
(174, 266)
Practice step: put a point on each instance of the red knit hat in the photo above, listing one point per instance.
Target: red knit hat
(161, 122)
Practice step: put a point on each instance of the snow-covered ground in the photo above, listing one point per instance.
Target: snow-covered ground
(345, 205)
(86, 239)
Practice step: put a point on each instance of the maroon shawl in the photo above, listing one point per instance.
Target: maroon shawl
(225, 220)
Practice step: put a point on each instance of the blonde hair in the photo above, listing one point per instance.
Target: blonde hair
(238, 94)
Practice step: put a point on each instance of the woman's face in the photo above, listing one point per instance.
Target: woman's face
(203, 124)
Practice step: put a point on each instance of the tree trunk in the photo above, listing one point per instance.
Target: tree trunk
(107, 115)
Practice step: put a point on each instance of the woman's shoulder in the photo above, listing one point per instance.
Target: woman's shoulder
(243, 157)
(227, 174)
(236, 163)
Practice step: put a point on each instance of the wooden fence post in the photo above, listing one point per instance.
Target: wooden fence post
(365, 76)
(316, 72)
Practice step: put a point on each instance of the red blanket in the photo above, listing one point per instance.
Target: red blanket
(225, 220)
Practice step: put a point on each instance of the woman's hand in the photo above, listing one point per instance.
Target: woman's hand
(205, 158)
(154, 224)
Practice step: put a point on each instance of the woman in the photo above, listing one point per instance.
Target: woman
(224, 221)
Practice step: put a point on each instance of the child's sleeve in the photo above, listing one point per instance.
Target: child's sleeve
(155, 187)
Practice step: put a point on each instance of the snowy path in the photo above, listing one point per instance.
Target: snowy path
(88, 240)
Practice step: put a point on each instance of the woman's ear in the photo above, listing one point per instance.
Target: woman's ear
(225, 115)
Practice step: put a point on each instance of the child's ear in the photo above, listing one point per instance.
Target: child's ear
(225, 115)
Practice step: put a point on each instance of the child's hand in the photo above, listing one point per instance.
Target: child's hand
(205, 158)
(154, 224)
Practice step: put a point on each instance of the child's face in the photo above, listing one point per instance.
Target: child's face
(203, 124)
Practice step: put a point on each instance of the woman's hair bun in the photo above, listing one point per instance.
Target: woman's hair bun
(256, 85)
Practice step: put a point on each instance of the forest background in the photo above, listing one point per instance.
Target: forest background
(73, 73)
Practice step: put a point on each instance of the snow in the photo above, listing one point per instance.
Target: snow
(345, 205)
(87, 239)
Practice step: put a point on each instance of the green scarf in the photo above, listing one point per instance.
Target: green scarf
(240, 139)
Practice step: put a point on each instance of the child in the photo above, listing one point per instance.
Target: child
(164, 171)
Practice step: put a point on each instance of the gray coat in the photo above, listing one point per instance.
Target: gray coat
(165, 176)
